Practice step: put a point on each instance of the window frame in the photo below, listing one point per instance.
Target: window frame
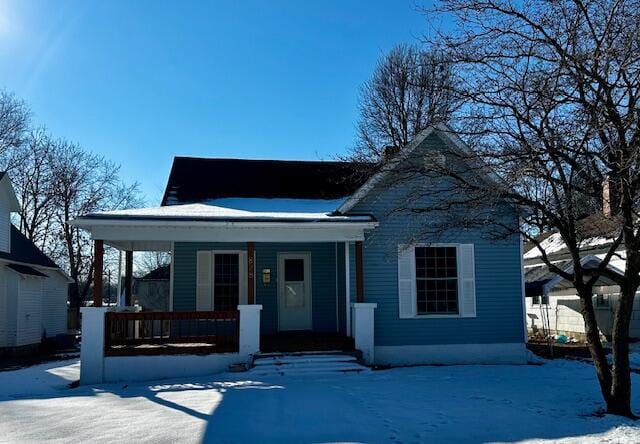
(458, 278)
(241, 275)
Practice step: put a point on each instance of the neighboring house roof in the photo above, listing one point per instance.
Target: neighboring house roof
(539, 279)
(159, 274)
(212, 213)
(6, 184)
(24, 251)
(195, 180)
(25, 270)
(597, 231)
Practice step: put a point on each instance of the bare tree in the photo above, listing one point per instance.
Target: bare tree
(14, 121)
(84, 183)
(32, 180)
(148, 261)
(409, 90)
(550, 111)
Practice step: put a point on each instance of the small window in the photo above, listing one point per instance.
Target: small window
(602, 300)
(535, 300)
(294, 270)
(540, 300)
(436, 280)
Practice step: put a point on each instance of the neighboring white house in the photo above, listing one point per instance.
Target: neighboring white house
(33, 289)
(552, 305)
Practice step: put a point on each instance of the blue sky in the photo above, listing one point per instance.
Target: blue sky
(143, 81)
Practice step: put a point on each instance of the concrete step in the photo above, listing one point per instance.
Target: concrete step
(306, 363)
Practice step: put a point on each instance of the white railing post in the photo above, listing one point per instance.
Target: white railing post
(92, 345)
(249, 329)
(363, 329)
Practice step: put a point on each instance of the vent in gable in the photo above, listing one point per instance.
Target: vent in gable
(434, 160)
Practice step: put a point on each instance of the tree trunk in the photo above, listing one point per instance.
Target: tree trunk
(595, 345)
(619, 402)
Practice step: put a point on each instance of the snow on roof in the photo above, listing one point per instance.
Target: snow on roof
(280, 205)
(554, 244)
(292, 212)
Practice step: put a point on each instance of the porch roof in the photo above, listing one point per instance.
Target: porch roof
(155, 228)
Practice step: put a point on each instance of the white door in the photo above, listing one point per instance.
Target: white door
(294, 291)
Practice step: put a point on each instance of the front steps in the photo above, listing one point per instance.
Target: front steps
(306, 363)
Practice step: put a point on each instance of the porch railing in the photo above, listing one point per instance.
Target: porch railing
(158, 333)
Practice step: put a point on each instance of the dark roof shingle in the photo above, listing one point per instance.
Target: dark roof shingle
(194, 180)
(23, 250)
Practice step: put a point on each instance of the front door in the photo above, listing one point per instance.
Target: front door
(294, 291)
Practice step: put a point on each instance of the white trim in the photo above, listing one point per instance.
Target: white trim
(90, 223)
(335, 258)
(499, 353)
(347, 297)
(120, 234)
(119, 299)
(172, 275)
(281, 256)
(522, 284)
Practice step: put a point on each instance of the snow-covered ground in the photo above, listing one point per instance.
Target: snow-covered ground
(551, 402)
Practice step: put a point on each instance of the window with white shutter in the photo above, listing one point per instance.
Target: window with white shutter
(406, 282)
(436, 280)
(467, 280)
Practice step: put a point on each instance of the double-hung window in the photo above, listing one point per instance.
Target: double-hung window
(436, 280)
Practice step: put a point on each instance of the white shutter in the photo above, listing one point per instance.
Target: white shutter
(244, 295)
(406, 281)
(204, 269)
(467, 280)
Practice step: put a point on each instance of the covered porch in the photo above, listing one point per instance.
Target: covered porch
(302, 275)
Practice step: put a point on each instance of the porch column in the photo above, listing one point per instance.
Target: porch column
(359, 273)
(251, 273)
(249, 340)
(98, 252)
(347, 289)
(128, 277)
(363, 329)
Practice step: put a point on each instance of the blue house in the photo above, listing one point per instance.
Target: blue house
(321, 252)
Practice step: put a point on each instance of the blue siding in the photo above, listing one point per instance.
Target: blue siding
(498, 276)
(323, 276)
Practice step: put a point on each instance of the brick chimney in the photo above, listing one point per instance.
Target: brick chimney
(389, 151)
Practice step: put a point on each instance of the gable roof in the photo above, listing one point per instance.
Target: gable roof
(197, 180)
(448, 136)
(161, 273)
(24, 251)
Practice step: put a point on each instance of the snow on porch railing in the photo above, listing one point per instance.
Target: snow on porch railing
(159, 333)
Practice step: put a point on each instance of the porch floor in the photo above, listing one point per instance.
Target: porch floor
(296, 341)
